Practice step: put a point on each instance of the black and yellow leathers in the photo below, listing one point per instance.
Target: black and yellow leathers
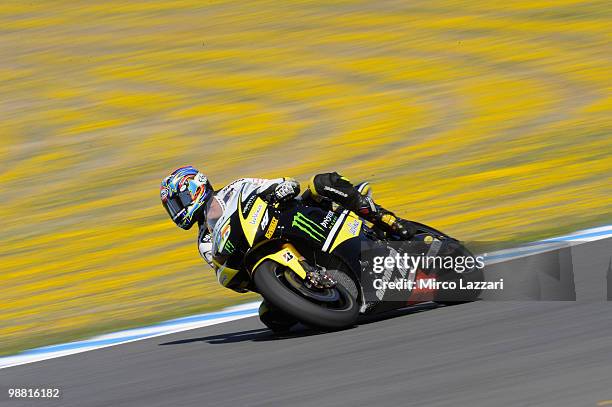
(330, 187)
(339, 189)
(226, 202)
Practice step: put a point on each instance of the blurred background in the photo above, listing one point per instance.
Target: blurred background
(488, 121)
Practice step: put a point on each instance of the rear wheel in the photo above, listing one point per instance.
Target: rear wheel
(462, 280)
(331, 308)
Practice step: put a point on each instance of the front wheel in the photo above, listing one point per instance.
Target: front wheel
(333, 308)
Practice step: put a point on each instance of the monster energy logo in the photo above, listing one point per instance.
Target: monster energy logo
(308, 226)
(229, 247)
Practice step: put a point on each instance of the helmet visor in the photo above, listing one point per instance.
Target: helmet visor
(213, 213)
(182, 200)
(185, 198)
(174, 206)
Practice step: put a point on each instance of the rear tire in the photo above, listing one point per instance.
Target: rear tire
(458, 296)
(313, 314)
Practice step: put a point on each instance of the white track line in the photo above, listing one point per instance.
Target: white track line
(250, 309)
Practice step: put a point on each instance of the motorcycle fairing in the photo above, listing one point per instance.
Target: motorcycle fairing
(288, 256)
(347, 226)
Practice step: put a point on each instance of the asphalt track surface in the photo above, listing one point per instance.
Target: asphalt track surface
(486, 353)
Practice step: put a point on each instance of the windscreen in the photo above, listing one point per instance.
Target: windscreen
(213, 213)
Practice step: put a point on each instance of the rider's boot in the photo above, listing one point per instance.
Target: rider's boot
(275, 319)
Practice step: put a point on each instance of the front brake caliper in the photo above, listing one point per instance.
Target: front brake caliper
(318, 278)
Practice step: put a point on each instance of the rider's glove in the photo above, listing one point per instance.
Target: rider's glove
(286, 190)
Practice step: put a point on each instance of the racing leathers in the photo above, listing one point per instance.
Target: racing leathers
(323, 188)
(225, 203)
(338, 189)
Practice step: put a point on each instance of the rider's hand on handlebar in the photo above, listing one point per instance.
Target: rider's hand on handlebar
(284, 191)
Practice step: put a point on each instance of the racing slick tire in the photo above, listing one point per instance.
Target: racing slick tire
(269, 280)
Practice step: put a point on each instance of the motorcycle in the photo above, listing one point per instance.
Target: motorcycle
(303, 257)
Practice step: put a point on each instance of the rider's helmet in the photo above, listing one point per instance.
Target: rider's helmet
(184, 194)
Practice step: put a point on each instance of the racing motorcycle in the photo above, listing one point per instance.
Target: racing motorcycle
(304, 258)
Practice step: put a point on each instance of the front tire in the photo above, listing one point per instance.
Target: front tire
(269, 282)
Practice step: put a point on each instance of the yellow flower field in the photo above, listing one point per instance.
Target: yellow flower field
(489, 120)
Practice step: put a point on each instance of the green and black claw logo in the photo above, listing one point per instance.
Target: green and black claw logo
(229, 247)
(308, 226)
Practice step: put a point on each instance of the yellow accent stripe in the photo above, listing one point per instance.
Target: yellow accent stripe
(288, 257)
(312, 188)
(224, 274)
(348, 230)
(365, 189)
(250, 224)
(271, 228)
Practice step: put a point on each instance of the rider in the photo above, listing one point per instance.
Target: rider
(189, 198)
